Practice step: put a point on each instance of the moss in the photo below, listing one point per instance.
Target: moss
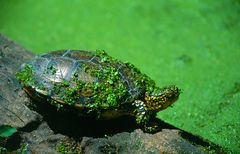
(62, 148)
(68, 146)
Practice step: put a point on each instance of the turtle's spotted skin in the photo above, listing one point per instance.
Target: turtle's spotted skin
(95, 84)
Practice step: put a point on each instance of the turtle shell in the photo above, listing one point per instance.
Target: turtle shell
(83, 79)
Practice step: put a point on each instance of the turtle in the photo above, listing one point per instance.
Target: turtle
(95, 85)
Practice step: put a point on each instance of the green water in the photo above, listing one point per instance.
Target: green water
(193, 44)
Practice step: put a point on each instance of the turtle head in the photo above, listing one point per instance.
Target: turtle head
(161, 98)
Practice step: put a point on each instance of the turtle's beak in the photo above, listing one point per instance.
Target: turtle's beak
(170, 95)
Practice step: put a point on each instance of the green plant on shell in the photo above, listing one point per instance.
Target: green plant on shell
(105, 94)
(51, 70)
(108, 92)
(25, 76)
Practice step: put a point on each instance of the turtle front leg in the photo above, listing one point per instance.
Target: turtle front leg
(145, 118)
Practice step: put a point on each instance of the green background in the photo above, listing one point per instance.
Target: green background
(193, 44)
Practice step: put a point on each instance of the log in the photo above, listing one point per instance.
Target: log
(44, 130)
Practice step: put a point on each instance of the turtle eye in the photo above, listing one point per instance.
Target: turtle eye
(171, 95)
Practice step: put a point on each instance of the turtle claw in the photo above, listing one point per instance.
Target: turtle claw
(151, 127)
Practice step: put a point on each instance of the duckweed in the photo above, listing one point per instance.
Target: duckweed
(25, 76)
